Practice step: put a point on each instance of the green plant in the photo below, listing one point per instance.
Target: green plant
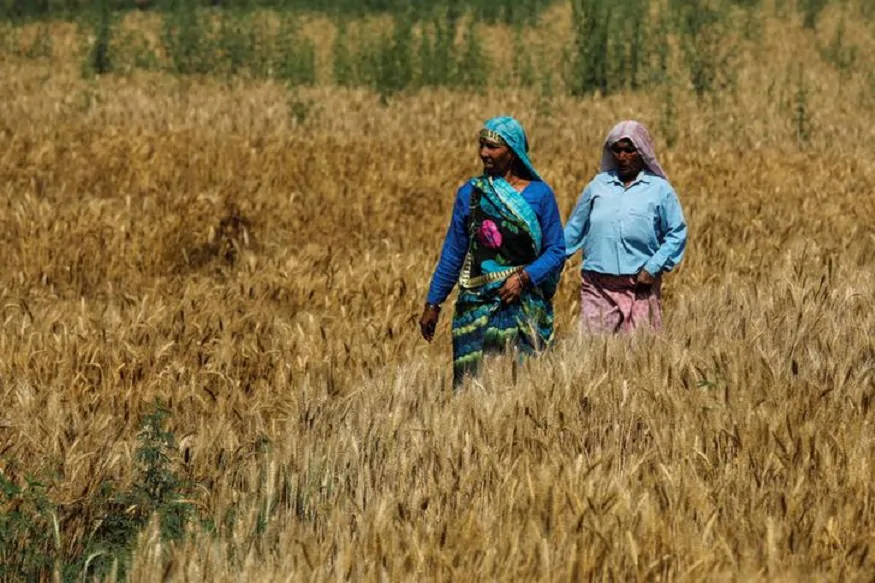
(811, 10)
(185, 36)
(610, 46)
(41, 47)
(707, 47)
(135, 50)
(659, 38)
(438, 53)
(801, 113)
(17, 10)
(591, 20)
(838, 53)
(473, 67)
(232, 41)
(391, 57)
(158, 487)
(668, 126)
(524, 71)
(636, 19)
(752, 25)
(99, 61)
(295, 55)
(342, 67)
(29, 538)
(867, 91)
(121, 515)
(261, 47)
(300, 109)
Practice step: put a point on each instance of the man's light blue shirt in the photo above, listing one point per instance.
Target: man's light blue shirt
(624, 229)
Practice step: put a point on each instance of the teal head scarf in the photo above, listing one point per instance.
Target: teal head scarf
(511, 133)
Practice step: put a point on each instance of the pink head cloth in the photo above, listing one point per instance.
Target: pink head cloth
(640, 137)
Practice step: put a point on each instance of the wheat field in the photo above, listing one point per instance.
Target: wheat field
(196, 242)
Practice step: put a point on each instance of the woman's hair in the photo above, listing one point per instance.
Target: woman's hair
(521, 170)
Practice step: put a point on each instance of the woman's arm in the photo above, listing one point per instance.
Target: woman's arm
(674, 235)
(446, 274)
(578, 222)
(552, 256)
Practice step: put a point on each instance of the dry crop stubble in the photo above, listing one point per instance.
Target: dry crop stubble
(190, 240)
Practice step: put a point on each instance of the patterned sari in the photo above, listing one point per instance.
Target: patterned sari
(504, 236)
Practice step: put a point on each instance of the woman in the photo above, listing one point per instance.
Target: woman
(629, 223)
(506, 249)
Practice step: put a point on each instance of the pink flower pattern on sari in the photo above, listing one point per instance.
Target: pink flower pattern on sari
(489, 234)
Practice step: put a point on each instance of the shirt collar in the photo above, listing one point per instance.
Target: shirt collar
(644, 177)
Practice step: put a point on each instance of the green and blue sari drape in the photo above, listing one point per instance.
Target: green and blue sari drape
(504, 236)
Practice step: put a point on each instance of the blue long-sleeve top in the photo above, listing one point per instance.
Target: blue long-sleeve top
(552, 257)
(623, 230)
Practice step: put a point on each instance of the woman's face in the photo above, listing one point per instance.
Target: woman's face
(629, 161)
(497, 160)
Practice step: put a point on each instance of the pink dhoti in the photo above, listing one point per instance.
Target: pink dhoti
(616, 303)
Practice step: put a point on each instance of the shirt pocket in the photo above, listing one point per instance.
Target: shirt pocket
(638, 229)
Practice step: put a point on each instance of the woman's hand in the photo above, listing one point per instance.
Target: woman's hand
(513, 287)
(428, 321)
(644, 279)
